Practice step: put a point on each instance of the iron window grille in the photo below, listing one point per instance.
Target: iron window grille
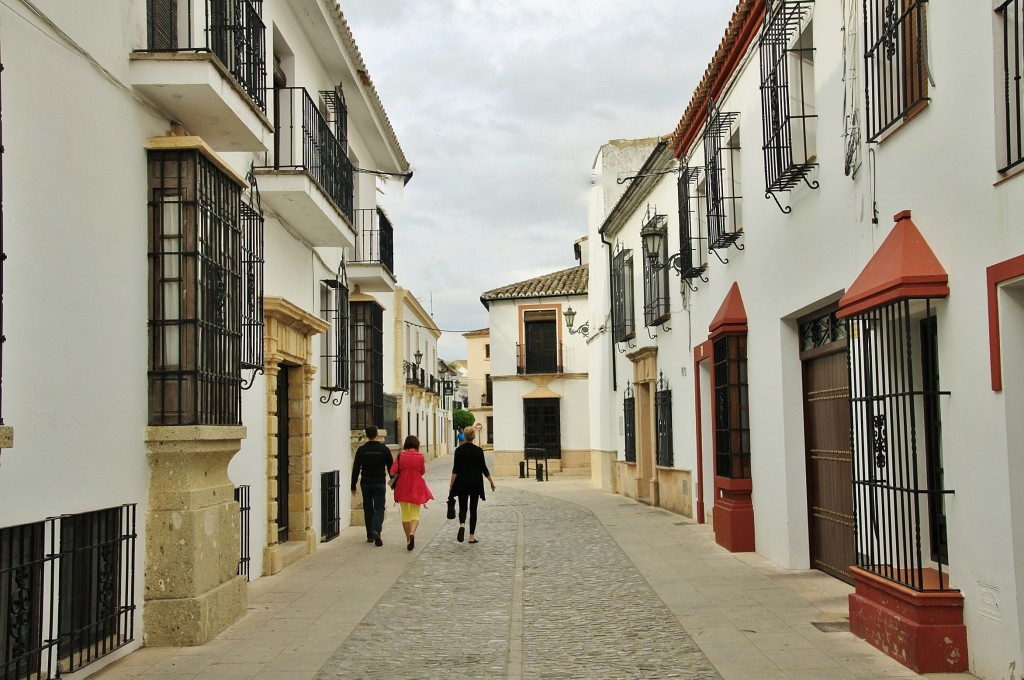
(304, 140)
(787, 97)
(67, 591)
(252, 281)
(732, 421)
(195, 288)
(375, 239)
(334, 344)
(629, 423)
(391, 419)
(663, 421)
(721, 172)
(897, 459)
(490, 430)
(366, 333)
(623, 321)
(693, 237)
(243, 498)
(824, 330)
(656, 296)
(336, 113)
(896, 75)
(233, 30)
(489, 392)
(330, 505)
(1011, 14)
(542, 427)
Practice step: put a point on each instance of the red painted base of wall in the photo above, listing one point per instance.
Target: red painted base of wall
(734, 521)
(923, 631)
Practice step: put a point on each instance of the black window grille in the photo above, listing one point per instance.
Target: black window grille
(366, 335)
(721, 172)
(895, 418)
(243, 498)
(656, 296)
(252, 281)
(542, 427)
(391, 419)
(375, 239)
(629, 423)
(336, 113)
(195, 307)
(330, 504)
(787, 96)
(623, 321)
(693, 237)
(304, 140)
(489, 393)
(896, 82)
(732, 422)
(663, 422)
(334, 356)
(490, 429)
(233, 30)
(1011, 19)
(821, 331)
(67, 591)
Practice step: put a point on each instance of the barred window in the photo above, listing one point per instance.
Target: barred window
(1011, 29)
(896, 83)
(629, 423)
(195, 306)
(787, 96)
(366, 334)
(663, 421)
(722, 178)
(542, 428)
(252, 281)
(693, 235)
(732, 422)
(623, 322)
(334, 357)
(656, 296)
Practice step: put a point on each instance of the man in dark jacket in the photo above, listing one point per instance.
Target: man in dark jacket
(373, 459)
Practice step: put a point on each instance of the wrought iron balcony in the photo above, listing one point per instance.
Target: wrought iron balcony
(540, 358)
(374, 250)
(308, 180)
(193, 47)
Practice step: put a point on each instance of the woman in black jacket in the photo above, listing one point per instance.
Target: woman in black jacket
(467, 483)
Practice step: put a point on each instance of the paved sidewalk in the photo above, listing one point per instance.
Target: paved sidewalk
(566, 582)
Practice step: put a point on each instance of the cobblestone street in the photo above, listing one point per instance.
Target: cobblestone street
(566, 582)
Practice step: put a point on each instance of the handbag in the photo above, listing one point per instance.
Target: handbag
(394, 477)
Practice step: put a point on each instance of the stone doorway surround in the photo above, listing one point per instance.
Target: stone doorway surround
(288, 339)
(645, 375)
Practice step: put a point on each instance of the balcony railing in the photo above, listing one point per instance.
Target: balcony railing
(304, 140)
(539, 359)
(233, 30)
(374, 239)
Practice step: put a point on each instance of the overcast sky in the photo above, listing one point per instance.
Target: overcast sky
(501, 107)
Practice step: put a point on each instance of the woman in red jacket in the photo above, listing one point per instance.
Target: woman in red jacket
(410, 490)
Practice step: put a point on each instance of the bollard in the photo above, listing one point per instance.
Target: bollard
(540, 471)
(522, 469)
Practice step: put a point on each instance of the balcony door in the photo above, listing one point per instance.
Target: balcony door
(541, 339)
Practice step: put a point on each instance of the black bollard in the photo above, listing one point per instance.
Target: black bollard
(540, 471)
(522, 469)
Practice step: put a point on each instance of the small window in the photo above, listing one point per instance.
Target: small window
(896, 75)
(722, 178)
(490, 429)
(487, 351)
(663, 422)
(1010, 16)
(656, 296)
(732, 422)
(623, 322)
(334, 358)
(693, 235)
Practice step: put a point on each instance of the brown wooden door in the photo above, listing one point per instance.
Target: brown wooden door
(829, 461)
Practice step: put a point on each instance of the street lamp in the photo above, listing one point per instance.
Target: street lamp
(570, 317)
(418, 356)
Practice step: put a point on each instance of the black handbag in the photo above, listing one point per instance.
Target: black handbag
(394, 477)
(451, 507)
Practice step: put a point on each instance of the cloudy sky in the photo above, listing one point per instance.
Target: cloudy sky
(501, 107)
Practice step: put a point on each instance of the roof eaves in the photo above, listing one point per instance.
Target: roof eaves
(640, 186)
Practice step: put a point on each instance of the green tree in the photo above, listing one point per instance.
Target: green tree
(462, 419)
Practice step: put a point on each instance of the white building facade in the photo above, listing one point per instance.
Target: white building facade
(845, 314)
(181, 395)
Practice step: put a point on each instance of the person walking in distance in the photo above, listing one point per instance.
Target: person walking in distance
(467, 483)
(411, 491)
(373, 460)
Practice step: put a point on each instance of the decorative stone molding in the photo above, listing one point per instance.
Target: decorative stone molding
(192, 588)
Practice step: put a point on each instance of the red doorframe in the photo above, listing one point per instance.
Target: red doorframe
(997, 274)
(701, 352)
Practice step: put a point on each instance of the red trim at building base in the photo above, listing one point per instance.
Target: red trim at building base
(734, 519)
(923, 631)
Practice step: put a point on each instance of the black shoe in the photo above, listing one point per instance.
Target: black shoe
(451, 508)
(376, 540)
(462, 535)
(412, 543)
(369, 539)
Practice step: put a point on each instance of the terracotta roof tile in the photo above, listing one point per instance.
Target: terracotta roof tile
(572, 281)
